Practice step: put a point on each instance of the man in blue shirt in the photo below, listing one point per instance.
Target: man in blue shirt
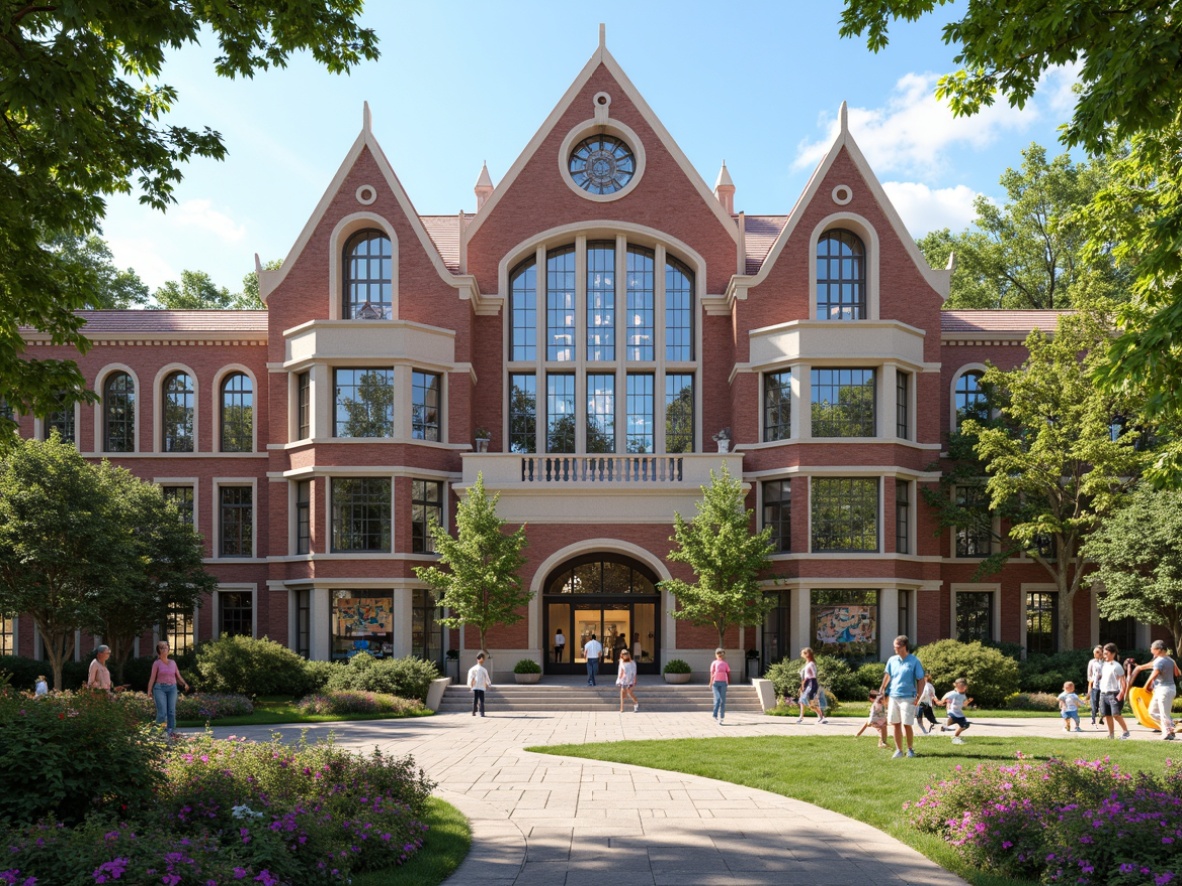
(906, 678)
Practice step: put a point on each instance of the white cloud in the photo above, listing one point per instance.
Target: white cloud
(913, 132)
(925, 209)
(200, 214)
(140, 254)
(1057, 86)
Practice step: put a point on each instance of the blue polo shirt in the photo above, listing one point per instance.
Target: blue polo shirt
(904, 674)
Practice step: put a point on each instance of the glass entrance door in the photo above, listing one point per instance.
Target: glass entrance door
(618, 625)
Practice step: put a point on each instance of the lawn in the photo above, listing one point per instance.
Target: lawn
(847, 783)
(446, 846)
(273, 710)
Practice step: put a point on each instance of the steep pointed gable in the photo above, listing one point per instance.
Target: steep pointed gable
(536, 194)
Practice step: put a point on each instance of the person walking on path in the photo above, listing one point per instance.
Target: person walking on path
(1164, 672)
(720, 678)
(559, 645)
(626, 680)
(810, 686)
(1094, 666)
(905, 678)
(592, 650)
(162, 686)
(1069, 707)
(99, 677)
(478, 682)
(1113, 687)
(955, 702)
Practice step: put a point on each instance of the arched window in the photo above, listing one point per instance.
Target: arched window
(369, 275)
(841, 276)
(119, 413)
(177, 419)
(970, 397)
(237, 413)
(601, 350)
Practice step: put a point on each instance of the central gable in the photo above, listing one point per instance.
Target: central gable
(662, 192)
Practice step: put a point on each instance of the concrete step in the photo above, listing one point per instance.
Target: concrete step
(554, 698)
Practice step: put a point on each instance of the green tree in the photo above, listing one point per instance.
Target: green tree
(84, 117)
(111, 287)
(196, 291)
(1055, 466)
(1029, 252)
(1129, 79)
(481, 585)
(1138, 556)
(249, 299)
(726, 557)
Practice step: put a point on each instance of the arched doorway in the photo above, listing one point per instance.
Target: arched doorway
(611, 595)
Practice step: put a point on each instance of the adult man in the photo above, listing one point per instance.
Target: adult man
(478, 681)
(559, 644)
(906, 678)
(1113, 687)
(592, 650)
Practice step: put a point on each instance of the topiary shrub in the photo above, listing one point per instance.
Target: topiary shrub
(405, 677)
(833, 673)
(870, 675)
(677, 666)
(527, 666)
(992, 676)
(247, 666)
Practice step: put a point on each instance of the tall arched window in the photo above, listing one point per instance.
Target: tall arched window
(177, 418)
(119, 413)
(369, 275)
(970, 397)
(617, 375)
(237, 413)
(841, 276)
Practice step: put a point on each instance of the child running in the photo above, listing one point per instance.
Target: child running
(876, 719)
(955, 701)
(927, 698)
(1069, 707)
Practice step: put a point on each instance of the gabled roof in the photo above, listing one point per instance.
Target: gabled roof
(977, 323)
(761, 232)
(444, 231)
(153, 324)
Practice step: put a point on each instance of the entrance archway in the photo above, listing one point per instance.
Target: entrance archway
(610, 595)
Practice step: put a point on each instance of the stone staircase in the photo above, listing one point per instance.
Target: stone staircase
(656, 697)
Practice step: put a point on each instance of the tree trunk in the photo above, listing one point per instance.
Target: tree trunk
(58, 647)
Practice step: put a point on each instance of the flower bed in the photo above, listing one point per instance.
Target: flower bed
(1083, 822)
(203, 706)
(234, 811)
(346, 701)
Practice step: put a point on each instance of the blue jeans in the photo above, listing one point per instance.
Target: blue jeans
(164, 694)
(592, 669)
(719, 699)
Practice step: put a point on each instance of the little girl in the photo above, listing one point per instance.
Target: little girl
(1069, 707)
(877, 719)
(626, 680)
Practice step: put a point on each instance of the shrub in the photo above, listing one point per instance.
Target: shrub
(408, 677)
(247, 666)
(70, 754)
(833, 673)
(1048, 673)
(352, 702)
(24, 672)
(870, 675)
(1039, 701)
(992, 676)
(527, 666)
(677, 666)
(319, 673)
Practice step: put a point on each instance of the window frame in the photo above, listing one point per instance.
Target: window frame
(302, 508)
(422, 510)
(857, 309)
(844, 499)
(1048, 597)
(231, 433)
(842, 417)
(992, 634)
(777, 415)
(369, 421)
(384, 280)
(902, 516)
(966, 538)
(422, 426)
(777, 513)
(245, 530)
(168, 441)
(236, 595)
(381, 496)
(130, 421)
(974, 370)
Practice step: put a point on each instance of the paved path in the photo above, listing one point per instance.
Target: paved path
(540, 820)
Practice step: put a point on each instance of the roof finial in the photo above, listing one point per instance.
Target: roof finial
(602, 35)
(844, 116)
(366, 117)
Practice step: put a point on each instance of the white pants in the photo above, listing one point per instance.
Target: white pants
(1161, 704)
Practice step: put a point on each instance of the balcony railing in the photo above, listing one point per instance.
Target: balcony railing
(602, 469)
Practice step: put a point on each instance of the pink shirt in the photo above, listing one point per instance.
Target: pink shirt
(720, 671)
(166, 672)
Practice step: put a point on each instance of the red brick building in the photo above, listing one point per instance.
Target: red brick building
(600, 318)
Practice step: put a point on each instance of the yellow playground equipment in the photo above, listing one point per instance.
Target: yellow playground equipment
(1139, 698)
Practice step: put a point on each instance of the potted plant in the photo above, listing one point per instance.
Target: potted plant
(752, 663)
(527, 671)
(453, 664)
(483, 437)
(677, 671)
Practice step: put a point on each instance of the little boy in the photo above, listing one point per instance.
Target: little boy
(877, 719)
(955, 701)
(1069, 707)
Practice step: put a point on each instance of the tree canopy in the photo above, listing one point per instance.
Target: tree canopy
(1138, 556)
(89, 547)
(196, 291)
(85, 116)
(726, 557)
(481, 585)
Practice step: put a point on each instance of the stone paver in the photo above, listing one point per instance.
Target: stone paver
(539, 820)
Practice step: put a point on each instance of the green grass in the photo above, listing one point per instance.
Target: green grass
(275, 710)
(859, 710)
(854, 777)
(445, 848)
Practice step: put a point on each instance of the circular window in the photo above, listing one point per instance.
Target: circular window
(842, 195)
(602, 164)
(366, 194)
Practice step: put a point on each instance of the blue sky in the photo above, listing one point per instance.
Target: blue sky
(757, 84)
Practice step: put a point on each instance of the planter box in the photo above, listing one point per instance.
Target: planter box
(527, 678)
(677, 678)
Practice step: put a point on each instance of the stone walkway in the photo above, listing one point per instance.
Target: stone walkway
(540, 820)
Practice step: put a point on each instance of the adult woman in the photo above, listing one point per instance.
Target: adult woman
(162, 686)
(720, 679)
(810, 686)
(99, 677)
(1162, 681)
(626, 680)
(1094, 667)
